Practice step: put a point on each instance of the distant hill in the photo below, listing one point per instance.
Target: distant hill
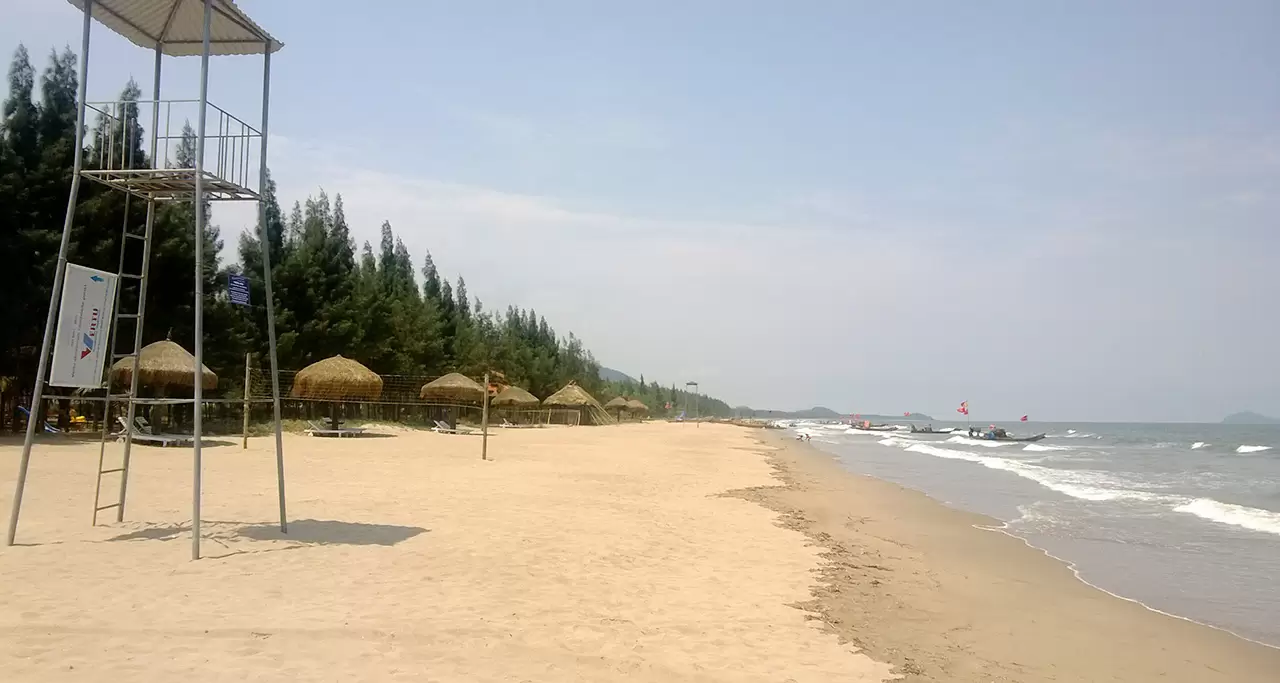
(611, 375)
(823, 413)
(1249, 418)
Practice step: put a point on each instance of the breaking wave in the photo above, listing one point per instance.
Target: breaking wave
(1252, 449)
(1081, 484)
(1266, 521)
(1037, 448)
(977, 442)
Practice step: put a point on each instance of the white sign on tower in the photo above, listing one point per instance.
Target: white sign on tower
(80, 349)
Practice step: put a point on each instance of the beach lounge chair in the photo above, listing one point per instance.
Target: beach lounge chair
(507, 424)
(443, 427)
(147, 437)
(327, 429)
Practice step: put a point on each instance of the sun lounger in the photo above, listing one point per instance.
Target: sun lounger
(325, 430)
(508, 424)
(148, 438)
(443, 427)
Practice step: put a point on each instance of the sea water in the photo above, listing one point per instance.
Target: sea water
(1182, 518)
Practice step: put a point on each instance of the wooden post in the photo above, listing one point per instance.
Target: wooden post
(484, 421)
(245, 443)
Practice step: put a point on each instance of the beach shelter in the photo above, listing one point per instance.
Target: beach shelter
(162, 365)
(616, 406)
(336, 380)
(575, 397)
(453, 387)
(637, 408)
(515, 397)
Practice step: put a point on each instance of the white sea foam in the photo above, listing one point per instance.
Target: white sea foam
(1252, 449)
(1265, 521)
(1080, 484)
(1037, 448)
(1198, 445)
(977, 442)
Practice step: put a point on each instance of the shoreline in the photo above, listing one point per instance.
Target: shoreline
(944, 599)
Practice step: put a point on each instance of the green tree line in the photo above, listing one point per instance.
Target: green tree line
(375, 304)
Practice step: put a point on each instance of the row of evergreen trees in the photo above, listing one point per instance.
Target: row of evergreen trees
(329, 298)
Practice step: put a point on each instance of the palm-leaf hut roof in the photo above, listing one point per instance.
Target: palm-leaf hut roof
(163, 364)
(515, 396)
(337, 379)
(453, 387)
(637, 407)
(574, 396)
(619, 403)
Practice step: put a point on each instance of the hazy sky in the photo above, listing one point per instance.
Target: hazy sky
(1067, 209)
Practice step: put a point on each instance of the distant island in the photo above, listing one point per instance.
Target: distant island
(1249, 418)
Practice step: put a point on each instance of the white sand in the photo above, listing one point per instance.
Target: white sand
(586, 554)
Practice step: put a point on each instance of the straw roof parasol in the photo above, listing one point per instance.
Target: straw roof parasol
(637, 407)
(574, 396)
(163, 364)
(453, 386)
(337, 379)
(514, 396)
(619, 403)
(571, 396)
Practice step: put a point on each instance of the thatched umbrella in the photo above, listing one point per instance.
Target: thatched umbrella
(574, 396)
(637, 408)
(617, 406)
(515, 397)
(453, 387)
(336, 379)
(162, 365)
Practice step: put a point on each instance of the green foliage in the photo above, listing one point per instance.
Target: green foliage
(327, 301)
(658, 398)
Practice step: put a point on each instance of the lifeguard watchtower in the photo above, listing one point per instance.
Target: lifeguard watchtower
(230, 164)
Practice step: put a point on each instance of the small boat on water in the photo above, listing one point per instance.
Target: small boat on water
(866, 426)
(999, 434)
(930, 430)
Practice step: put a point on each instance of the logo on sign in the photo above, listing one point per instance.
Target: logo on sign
(88, 336)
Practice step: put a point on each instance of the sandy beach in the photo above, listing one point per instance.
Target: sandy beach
(585, 554)
(655, 552)
(945, 598)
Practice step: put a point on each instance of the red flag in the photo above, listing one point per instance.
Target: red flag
(964, 408)
(1024, 418)
(906, 414)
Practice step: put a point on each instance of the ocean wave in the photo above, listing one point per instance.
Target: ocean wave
(1037, 448)
(977, 442)
(1252, 449)
(1198, 445)
(1081, 484)
(1254, 519)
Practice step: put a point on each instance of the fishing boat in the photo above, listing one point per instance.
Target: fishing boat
(999, 434)
(930, 430)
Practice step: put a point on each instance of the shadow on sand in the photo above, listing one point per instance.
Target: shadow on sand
(332, 532)
(302, 532)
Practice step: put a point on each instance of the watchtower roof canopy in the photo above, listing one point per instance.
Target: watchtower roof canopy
(177, 26)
